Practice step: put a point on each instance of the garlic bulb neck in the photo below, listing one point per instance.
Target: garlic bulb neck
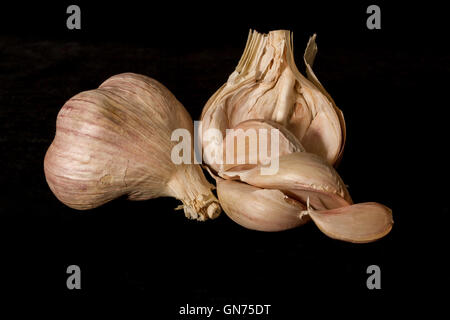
(199, 202)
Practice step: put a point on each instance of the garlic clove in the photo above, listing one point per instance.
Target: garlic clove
(250, 143)
(259, 209)
(267, 85)
(300, 175)
(358, 223)
(116, 140)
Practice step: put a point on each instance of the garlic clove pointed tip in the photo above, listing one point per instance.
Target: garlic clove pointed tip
(358, 223)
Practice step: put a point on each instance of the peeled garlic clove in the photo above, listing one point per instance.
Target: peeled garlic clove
(267, 85)
(259, 209)
(116, 140)
(254, 142)
(358, 223)
(300, 175)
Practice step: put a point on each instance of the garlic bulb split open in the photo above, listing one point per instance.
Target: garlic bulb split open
(116, 140)
(267, 85)
(266, 91)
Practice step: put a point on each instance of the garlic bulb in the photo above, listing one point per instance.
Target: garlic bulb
(117, 140)
(267, 85)
(266, 91)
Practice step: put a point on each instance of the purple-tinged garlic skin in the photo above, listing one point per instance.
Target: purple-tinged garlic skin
(116, 140)
(358, 223)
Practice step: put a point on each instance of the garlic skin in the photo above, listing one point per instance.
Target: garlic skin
(116, 140)
(285, 142)
(267, 85)
(267, 91)
(302, 176)
(358, 223)
(255, 201)
(259, 209)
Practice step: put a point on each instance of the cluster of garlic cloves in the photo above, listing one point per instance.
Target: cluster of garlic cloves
(267, 85)
(266, 91)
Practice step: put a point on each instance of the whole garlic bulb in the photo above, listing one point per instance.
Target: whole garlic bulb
(267, 85)
(116, 140)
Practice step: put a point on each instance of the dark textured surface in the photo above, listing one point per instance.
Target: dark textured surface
(390, 90)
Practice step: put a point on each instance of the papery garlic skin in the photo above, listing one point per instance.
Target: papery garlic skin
(259, 209)
(302, 176)
(116, 140)
(304, 180)
(263, 141)
(358, 223)
(267, 85)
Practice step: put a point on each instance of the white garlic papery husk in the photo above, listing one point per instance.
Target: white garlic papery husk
(267, 85)
(116, 140)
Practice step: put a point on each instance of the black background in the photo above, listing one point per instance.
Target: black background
(391, 85)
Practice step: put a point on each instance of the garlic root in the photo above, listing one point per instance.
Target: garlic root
(116, 140)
